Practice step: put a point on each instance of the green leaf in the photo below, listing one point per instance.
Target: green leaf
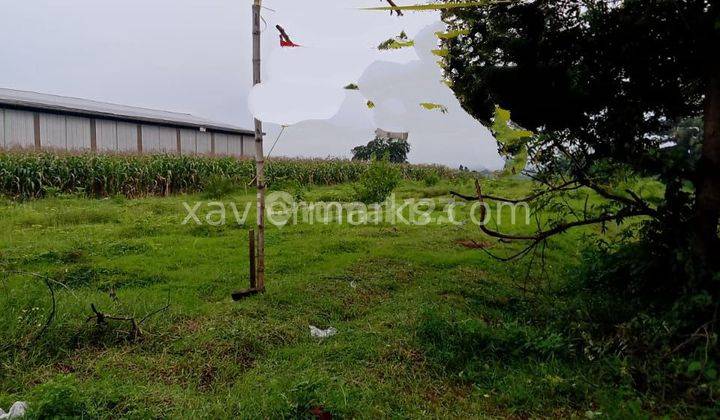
(452, 34)
(694, 367)
(400, 41)
(505, 131)
(512, 141)
(393, 44)
(517, 163)
(431, 106)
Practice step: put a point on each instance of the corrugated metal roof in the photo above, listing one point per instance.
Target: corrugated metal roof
(41, 101)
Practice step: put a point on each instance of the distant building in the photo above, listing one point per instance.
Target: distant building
(30, 120)
(389, 135)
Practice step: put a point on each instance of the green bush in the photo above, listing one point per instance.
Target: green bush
(378, 181)
(621, 304)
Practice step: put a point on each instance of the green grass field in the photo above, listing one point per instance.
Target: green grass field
(427, 327)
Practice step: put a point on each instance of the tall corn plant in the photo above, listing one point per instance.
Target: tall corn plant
(28, 175)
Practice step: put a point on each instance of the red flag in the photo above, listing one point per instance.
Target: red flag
(284, 43)
(285, 40)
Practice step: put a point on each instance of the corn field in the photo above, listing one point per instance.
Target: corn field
(28, 175)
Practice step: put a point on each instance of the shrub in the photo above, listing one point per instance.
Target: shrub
(378, 182)
(621, 305)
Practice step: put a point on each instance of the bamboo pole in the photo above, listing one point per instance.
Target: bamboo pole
(259, 155)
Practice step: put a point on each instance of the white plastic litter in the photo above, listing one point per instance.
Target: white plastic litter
(317, 332)
(16, 411)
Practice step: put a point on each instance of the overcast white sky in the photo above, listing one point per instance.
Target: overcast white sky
(195, 56)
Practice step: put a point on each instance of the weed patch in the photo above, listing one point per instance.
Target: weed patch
(73, 256)
(61, 397)
(104, 279)
(463, 344)
(118, 249)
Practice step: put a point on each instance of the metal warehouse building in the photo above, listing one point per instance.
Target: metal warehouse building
(33, 120)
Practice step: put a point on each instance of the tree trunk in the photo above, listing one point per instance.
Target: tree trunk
(259, 155)
(707, 199)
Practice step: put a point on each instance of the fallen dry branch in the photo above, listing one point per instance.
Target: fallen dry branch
(101, 320)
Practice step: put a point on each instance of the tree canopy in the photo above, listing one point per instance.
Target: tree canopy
(395, 150)
(606, 88)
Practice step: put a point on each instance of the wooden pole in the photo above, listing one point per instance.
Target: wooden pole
(259, 155)
(253, 279)
(257, 248)
(253, 289)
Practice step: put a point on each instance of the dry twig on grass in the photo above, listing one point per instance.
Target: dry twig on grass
(101, 320)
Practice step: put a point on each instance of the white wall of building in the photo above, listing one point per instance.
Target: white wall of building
(151, 138)
(73, 133)
(78, 133)
(53, 131)
(235, 144)
(127, 137)
(221, 144)
(168, 140)
(19, 129)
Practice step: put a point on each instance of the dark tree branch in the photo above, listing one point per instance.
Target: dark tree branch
(567, 186)
(396, 9)
(512, 257)
(283, 35)
(542, 235)
(102, 319)
(635, 202)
